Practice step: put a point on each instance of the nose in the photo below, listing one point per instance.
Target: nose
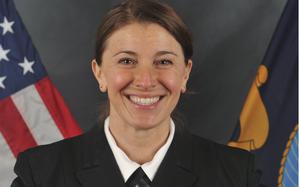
(145, 78)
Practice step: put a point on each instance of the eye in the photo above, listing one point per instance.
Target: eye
(127, 61)
(164, 62)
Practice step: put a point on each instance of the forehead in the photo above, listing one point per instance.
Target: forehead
(142, 37)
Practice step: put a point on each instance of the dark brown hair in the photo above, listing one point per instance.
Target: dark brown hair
(143, 11)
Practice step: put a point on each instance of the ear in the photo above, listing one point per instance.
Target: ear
(97, 70)
(187, 71)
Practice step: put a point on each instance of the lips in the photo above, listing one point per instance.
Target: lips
(144, 101)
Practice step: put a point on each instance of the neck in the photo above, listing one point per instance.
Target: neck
(140, 145)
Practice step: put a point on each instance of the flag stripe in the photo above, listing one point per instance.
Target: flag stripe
(41, 124)
(12, 126)
(57, 108)
(7, 161)
(27, 111)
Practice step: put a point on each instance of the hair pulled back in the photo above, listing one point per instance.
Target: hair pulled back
(143, 11)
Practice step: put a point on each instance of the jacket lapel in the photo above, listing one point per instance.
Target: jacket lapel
(99, 167)
(181, 167)
(175, 170)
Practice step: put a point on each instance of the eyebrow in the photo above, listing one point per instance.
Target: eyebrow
(127, 52)
(159, 53)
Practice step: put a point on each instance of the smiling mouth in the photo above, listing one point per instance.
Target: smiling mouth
(144, 101)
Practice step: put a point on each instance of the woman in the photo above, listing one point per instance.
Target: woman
(143, 62)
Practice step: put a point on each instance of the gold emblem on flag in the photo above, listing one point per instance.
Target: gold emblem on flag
(254, 122)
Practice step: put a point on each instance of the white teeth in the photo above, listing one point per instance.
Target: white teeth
(144, 101)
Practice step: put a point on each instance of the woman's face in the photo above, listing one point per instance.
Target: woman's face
(144, 72)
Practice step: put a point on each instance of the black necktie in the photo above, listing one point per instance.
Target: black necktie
(138, 179)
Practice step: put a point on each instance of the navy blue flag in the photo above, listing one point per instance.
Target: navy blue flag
(32, 112)
(268, 124)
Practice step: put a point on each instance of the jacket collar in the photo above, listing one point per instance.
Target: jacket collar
(99, 167)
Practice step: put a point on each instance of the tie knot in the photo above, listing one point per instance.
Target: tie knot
(138, 179)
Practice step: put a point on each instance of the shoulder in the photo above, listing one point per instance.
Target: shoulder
(218, 150)
(49, 161)
(53, 150)
(70, 146)
(218, 155)
(228, 165)
(47, 156)
(53, 161)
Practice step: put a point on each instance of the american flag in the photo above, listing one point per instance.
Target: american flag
(32, 112)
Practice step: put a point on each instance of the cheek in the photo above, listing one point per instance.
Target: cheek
(172, 81)
(116, 81)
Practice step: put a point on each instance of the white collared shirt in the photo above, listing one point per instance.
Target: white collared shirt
(127, 166)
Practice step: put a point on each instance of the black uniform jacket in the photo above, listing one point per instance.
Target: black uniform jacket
(87, 161)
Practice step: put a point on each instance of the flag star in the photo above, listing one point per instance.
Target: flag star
(7, 26)
(2, 82)
(27, 66)
(3, 53)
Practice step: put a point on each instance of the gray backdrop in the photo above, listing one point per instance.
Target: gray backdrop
(230, 39)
